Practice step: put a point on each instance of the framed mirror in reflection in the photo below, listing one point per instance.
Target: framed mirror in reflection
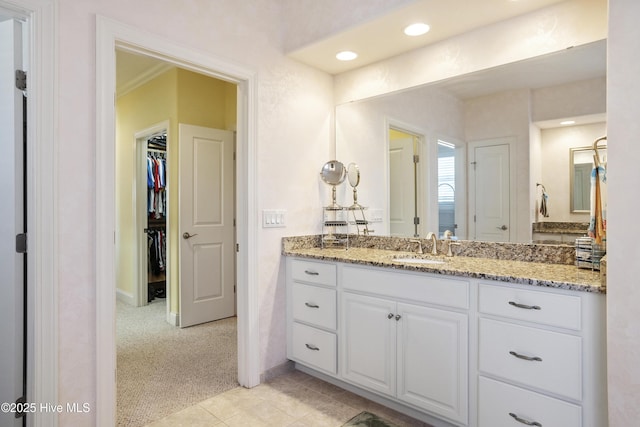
(580, 167)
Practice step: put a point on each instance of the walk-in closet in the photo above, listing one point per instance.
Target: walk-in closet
(156, 229)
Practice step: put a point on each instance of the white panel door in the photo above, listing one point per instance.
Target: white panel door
(368, 345)
(402, 187)
(491, 187)
(11, 221)
(207, 273)
(432, 360)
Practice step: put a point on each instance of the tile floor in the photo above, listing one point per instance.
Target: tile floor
(294, 399)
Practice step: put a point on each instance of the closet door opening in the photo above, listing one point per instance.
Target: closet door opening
(152, 214)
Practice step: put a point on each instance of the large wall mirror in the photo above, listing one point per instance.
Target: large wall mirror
(521, 103)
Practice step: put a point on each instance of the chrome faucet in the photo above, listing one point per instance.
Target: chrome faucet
(434, 243)
(419, 242)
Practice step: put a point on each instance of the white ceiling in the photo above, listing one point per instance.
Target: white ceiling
(383, 37)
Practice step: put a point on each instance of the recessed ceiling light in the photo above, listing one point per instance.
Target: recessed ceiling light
(346, 55)
(568, 122)
(417, 29)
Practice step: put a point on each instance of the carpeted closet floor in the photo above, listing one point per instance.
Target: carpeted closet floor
(163, 369)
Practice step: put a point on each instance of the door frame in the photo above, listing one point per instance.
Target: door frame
(42, 140)
(111, 34)
(424, 180)
(471, 188)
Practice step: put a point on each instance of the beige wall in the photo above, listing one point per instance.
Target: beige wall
(147, 105)
(179, 96)
(554, 161)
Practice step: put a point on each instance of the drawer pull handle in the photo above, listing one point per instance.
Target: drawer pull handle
(521, 356)
(311, 273)
(312, 347)
(311, 305)
(523, 421)
(398, 317)
(526, 307)
(390, 316)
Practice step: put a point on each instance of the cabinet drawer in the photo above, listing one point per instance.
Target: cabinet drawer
(545, 308)
(497, 400)
(314, 305)
(314, 347)
(414, 287)
(313, 272)
(558, 370)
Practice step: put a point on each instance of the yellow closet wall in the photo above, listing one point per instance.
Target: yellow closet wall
(179, 96)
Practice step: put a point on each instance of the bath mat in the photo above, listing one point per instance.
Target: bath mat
(367, 419)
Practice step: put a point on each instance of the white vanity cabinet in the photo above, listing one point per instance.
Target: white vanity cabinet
(448, 349)
(415, 352)
(312, 314)
(540, 357)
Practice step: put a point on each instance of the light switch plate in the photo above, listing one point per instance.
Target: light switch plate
(272, 218)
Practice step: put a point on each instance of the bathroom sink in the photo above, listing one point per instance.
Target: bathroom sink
(409, 260)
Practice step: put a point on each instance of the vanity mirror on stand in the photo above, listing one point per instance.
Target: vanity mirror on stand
(334, 224)
(356, 209)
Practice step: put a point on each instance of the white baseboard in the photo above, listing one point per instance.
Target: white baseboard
(125, 297)
(173, 318)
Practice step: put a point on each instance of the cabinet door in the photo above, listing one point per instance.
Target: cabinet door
(433, 360)
(368, 342)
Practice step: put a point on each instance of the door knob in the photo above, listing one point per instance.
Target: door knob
(186, 235)
(504, 227)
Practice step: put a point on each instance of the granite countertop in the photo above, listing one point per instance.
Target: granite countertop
(560, 227)
(544, 274)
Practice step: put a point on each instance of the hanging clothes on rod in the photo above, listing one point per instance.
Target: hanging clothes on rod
(156, 184)
(598, 210)
(157, 240)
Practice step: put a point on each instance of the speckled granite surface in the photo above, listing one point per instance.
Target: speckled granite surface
(560, 227)
(515, 263)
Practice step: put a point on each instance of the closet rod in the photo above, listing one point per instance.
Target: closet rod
(156, 150)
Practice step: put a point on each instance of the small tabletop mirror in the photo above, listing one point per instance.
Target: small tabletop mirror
(353, 174)
(333, 173)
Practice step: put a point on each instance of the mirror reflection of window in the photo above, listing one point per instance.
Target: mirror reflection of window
(446, 187)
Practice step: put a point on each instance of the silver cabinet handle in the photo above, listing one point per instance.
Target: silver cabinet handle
(312, 347)
(526, 307)
(390, 316)
(523, 357)
(311, 273)
(523, 421)
(503, 227)
(186, 235)
(398, 317)
(311, 305)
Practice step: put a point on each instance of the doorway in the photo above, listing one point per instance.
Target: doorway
(13, 223)
(112, 35)
(184, 186)
(404, 183)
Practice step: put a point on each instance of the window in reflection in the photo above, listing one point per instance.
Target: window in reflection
(446, 187)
